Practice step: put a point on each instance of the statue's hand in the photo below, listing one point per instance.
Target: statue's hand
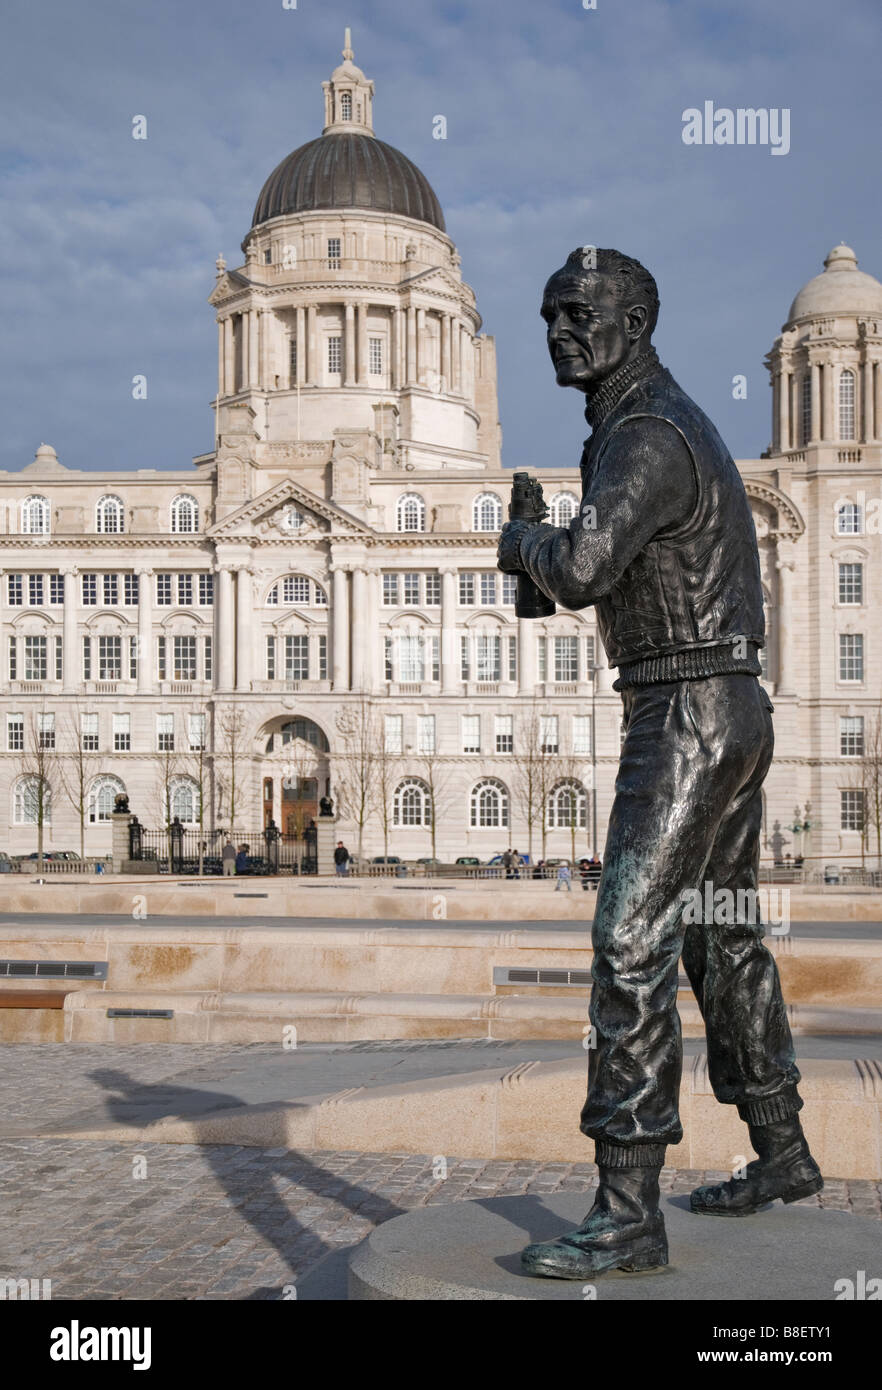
(508, 553)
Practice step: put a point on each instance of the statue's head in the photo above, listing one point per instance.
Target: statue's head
(600, 309)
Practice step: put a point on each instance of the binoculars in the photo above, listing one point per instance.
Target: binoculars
(528, 504)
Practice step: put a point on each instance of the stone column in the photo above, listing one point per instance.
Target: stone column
(326, 840)
(362, 350)
(253, 364)
(828, 426)
(449, 644)
(410, 370)
(526, 656)
(422, 355)
(371, 628)
(783, 410)
(785, 566)
(145, 630)
(816, 403)
(119, 840)
(220, 357)
(244, 627)
(445, 350)
(361, 632)
(70, 655)
(300, 330)
(877, 400)
(605, 676)
(396, 349)
(864, 412)
(456, 355)
(224, 654)
(340, 628)
(349, 346)
(312, 372)
(229, 357)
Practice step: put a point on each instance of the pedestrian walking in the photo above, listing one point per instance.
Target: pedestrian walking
(242, 860)
(516, 864)
(563, 878)
(506, 863)
(341, 860)
(228, 859)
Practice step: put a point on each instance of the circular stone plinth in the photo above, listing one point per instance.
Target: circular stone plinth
(471, 1250)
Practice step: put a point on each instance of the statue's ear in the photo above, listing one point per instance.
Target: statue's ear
(636, 320)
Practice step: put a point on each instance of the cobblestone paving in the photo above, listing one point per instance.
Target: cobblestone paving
(161, 1221)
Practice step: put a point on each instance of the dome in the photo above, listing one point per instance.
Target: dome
(840, 289)
(348, 170)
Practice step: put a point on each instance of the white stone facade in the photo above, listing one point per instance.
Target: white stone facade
(333, 562)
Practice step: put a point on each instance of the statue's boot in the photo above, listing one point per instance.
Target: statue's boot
(623, 1230)
(784, 1168)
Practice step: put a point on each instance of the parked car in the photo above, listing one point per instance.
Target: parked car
(469, 859)
(831, 873)
(7, 864)
(497, 859)
(393, 859)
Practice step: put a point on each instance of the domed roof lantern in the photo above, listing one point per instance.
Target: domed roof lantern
(841, 288)
(349, 97)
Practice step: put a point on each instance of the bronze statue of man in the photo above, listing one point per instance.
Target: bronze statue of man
(665, 549)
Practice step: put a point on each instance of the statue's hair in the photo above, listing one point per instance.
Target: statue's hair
(633, 281)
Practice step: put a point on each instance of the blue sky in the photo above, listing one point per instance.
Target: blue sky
(564, 128)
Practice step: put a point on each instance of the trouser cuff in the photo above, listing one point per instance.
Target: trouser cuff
(608, 1155)
(771, 1109)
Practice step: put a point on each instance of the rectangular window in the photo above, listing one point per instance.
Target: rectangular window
(390, 590)
(59, 658)
(87, 658)
(387, 658)
(90, 590)
(466, 591)
(410, 657)
(185, 590)
(164, 590)
(35, 590)
(509, 589)
(297, 658)
(109, 658)
(582, 735)
(13, 659)
(487, 657)
(322, 657)
(130, 590)
(471, 733)
(111, 590)
(56, 589)
(14, 587)
(334, 252)
(133, 658)
(89, 733)
(851, 656)
(335, 355)
(504, 733)
(161, 664)
(566, 658)
(122, 733)
(207, 657)
(35, 658)
(271, 658)
(589, 654)
(375, 356)
(851, 816)
(465, 665)
(488, 590)
(542, 658)
(433, 590)
(393, 733)
(46, 729)
(165, 733)
(851, 736)
(548, 734)
(512, 658)
(851, 583)
(206, 590)
(196, 732)
(184, 658)
(292, 359)
(411, 590)
(425, 733)
(435, 648)
(15, 733)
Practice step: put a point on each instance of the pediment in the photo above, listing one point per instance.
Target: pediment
(231, 282)
(269, 515)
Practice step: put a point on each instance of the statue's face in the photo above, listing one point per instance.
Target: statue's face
(590, 331)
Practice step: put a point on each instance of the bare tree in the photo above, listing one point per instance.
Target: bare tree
(569, 770)
(39, 765)
(435, 773)
(77, 769)
(231, 761)
(199, 770)
(535, 761)
(866, 777)
(388, 771)
(355, 770)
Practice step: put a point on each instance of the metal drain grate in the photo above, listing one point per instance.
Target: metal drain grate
(517, 975)
(251, 895)
(53, 969)
(140, 1013)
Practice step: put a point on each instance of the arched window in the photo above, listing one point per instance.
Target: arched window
(184, 514)
(410, 514)
(487, 512)
(101, 798)
(35, 516)
(345, 106)
(109, 516)
(412, 804)
(489, 805)
(849, 521)
(806, 410)
(183, 798)
(297, 588)
(291, 519)
(563, 508)
(303, 729)
(846, 405)
(567, 806)
(26, 802)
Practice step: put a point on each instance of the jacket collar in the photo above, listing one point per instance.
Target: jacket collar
(608, 394)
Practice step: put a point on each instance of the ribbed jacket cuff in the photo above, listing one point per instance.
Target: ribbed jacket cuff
(696, 663)
(771, 1109)
(607, 1155)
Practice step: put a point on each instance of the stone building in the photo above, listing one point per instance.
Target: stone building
(315, 603)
